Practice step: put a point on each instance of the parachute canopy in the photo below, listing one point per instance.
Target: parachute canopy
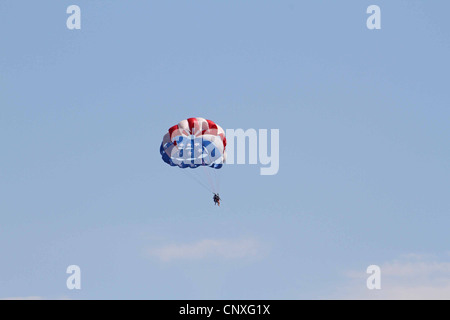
(194, 142)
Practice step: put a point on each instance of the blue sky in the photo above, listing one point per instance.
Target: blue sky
(364, 149)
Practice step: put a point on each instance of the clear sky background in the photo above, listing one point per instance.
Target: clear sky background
(364, 149)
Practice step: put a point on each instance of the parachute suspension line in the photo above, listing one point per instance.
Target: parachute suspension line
(191, 175)
(215, 177)
(180, 144)
(210, 180)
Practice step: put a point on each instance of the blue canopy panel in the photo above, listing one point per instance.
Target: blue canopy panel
(191, 153)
